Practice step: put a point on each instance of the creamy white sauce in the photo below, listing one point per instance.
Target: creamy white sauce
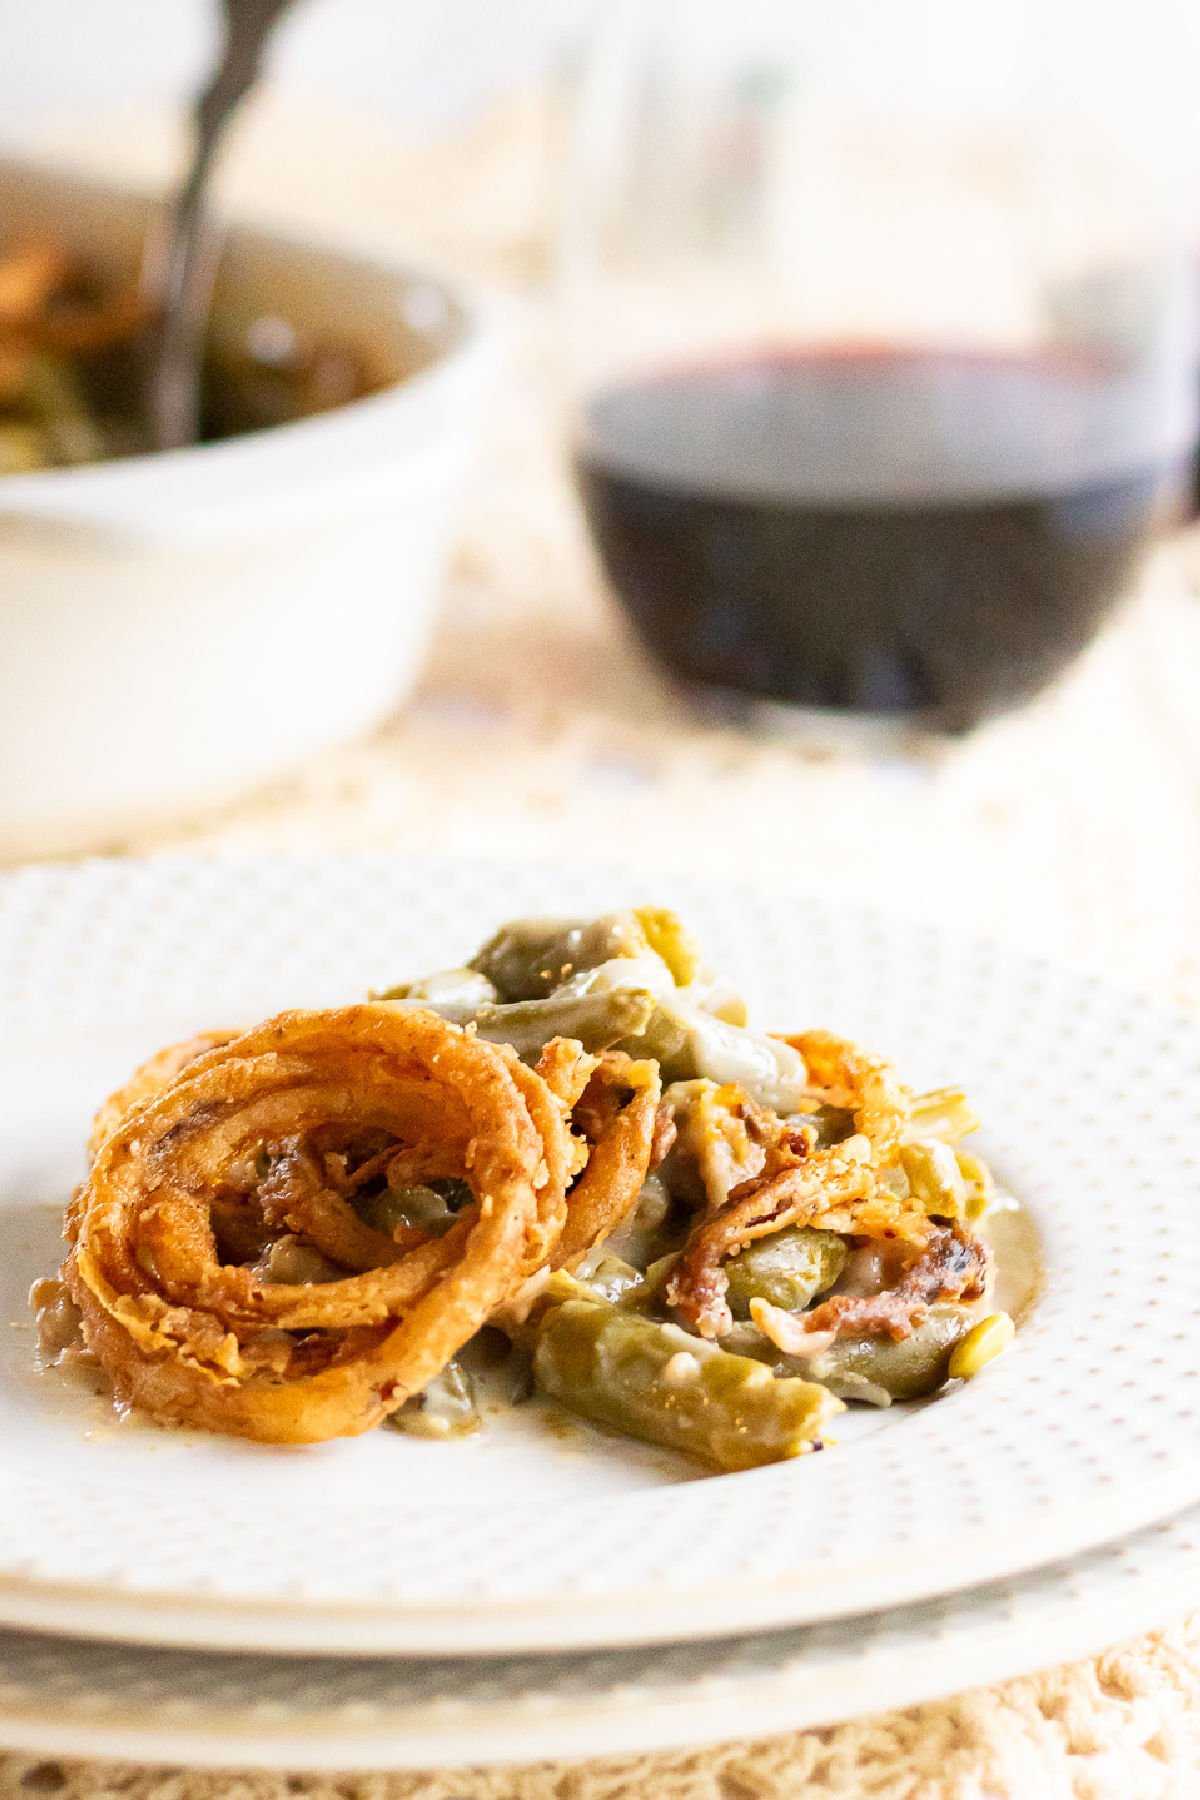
(1009, 1231)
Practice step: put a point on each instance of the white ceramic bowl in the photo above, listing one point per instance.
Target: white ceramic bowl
(177, 628)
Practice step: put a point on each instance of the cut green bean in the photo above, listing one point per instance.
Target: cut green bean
(689, 1043)
(882, 1369)
(646, 1233)
(602, 1340)
(612, 1279)
(788, 1269)
(695, 1030)
(658, 1382)
(597, 1021)
(448, 987)
(935, 1180)
(528, 958)
(429, 1207)
(445, 1409)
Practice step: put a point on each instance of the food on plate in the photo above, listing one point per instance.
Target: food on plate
(568, 1167)
(71, 349)
(278, 1130)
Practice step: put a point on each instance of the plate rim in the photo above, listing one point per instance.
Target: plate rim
(489, 1629)
(1040, 1627)
(495, 1624)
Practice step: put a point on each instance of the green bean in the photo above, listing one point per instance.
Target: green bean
(696, 1030)
(646, 1234)
(832, 1124)
(522, 1331)
(431, 1208)
(882, 1369)
(789, 1268)
(528, 958)
(448, 987)
(612, 1279)
(935, 1180)
(689, 1043)
(597, 1021)
(658, 1382)
(502, 1366)
(289, 1259)
(658, 968)
(445, 1409)
(658, 1273)
(745, 1339)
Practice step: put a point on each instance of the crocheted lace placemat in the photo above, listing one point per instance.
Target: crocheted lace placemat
(1123, 1727)
(539, 726)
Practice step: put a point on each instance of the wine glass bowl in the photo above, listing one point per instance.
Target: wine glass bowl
(858, 423)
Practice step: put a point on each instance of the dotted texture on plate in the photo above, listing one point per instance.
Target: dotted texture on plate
(71, 1698)
(1089, 1428)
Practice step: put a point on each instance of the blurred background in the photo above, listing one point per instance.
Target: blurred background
(424, 63)
(869, 347)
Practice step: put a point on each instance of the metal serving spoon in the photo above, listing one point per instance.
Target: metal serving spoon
(180, 280)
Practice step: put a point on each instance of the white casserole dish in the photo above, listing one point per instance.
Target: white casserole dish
(178, 628)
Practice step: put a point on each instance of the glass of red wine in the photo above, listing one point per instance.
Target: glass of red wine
(881, 329)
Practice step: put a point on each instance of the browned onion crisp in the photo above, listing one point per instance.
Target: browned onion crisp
(197, 1341)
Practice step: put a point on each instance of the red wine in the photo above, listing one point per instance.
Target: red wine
(885, 531)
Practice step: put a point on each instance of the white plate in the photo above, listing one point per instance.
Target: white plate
(518, 1539)
(63, 1698)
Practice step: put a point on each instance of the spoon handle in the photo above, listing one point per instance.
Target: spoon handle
(182, 281)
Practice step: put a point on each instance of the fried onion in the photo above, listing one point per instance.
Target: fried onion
(149, 1079)
(835, 1189)
(197, 1341)
(617, 1111)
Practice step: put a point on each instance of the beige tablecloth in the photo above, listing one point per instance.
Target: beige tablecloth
(1073, 828)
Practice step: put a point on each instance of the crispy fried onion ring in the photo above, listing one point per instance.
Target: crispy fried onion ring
(617, 1113)
(836, 1189)
(614, 1102)
(199, 1341)
(150, 1078)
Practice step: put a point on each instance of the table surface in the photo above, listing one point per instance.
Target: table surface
(1073, 828)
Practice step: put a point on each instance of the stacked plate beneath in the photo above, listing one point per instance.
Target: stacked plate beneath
(519, 1541)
